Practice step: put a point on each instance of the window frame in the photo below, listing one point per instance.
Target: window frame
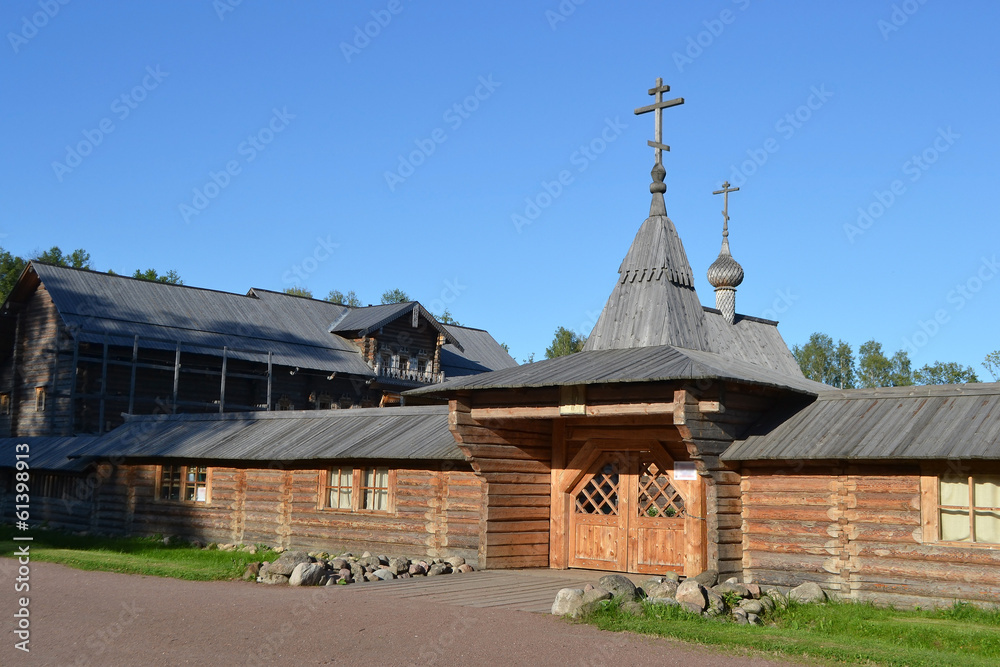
(40, 398)
(184, 484)
(358, 489)
(5, 404)
(931, 508)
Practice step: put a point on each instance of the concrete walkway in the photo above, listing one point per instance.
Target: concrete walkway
(521, 590)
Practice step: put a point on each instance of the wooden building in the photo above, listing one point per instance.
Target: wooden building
(682, 438)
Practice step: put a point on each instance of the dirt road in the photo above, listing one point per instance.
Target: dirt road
(101, 618)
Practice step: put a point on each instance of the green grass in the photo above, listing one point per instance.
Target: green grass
(859, 634)
(133, 555)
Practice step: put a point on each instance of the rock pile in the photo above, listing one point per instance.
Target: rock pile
(743, 604)
(298, 568)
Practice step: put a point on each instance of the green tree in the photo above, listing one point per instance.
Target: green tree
(298, 291)
(394, 296)
(823, 362)
(78, 259)
(170, 277)
(446, 318)
(944, 373)
(992, 364)
(350, 299)
(11, 267)
(565, 342)
(877, 370)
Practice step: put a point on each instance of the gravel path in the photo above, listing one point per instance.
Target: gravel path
(102, 618)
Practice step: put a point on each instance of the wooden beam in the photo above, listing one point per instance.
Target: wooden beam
(177, 377)
(711, 406)
(222, 386)
(553, 411)
(104, 388)
(131, 386)
(269, 366)
(558, 507)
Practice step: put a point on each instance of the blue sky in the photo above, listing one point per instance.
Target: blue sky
(381, 144)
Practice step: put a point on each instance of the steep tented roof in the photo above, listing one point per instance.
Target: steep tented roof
(643, 364)
(654, 301)
(480, 353)
(928, 422)
(367, 433)
(750, 339)
(99, 305)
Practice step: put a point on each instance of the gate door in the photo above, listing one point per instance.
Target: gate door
(598, 516)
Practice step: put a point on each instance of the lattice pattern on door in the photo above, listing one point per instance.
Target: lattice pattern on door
(600, 495)
(657, 496)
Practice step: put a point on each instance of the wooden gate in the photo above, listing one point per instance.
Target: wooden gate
(628, 513)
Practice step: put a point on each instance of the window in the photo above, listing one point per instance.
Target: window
(359, 489)
(5, 403)
(969, 509)
(187, 483)
(39, 399)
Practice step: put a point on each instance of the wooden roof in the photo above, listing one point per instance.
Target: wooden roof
(405, 433)
(927, 422)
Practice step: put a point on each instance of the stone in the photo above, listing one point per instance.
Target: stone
(567, 602)
(357, 572)
(777, 598)
(589, 587)
(634, 608)
(731, 580)
(384, 574)
(619, 586)
(272, 579)
(464, 568)
(367, 554)
(369, 562)
(716, 605)
(708, 578)
(346, 574)
(667, 589)
(737, 588)
(370, 576)
(691, 607)
(752, 606)
(252, 571)
(307, 574)
(399, 565)
(740, 620)
(649, 583)
(740, 612)
(807, 593)
(332, 580)
(665, 602)
(754, 590)
(672, 576)
(287, 561)
(339, 563)
(405, 575)
(692, 592)
(383, 559)
(455, 561)
(277, 550)
(424, 564)
(436, 569)
(197, 544)
(592, 600)
(754, 619)
(767, 602)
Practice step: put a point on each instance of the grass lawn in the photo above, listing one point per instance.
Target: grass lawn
(845, 633)
(133, 555)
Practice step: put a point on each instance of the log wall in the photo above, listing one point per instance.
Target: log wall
(856, 530)
(437, 509)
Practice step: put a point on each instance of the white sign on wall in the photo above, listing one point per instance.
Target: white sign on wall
(685, 470)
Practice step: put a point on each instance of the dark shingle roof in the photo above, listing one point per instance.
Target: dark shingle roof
(643, 364)
(417, 433)
(363, 321)
(98, 305)
(480, 353)
(927, 422)
(48, 452)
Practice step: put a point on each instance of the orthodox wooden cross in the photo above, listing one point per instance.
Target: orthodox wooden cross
(725, 211)
(658, 107)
